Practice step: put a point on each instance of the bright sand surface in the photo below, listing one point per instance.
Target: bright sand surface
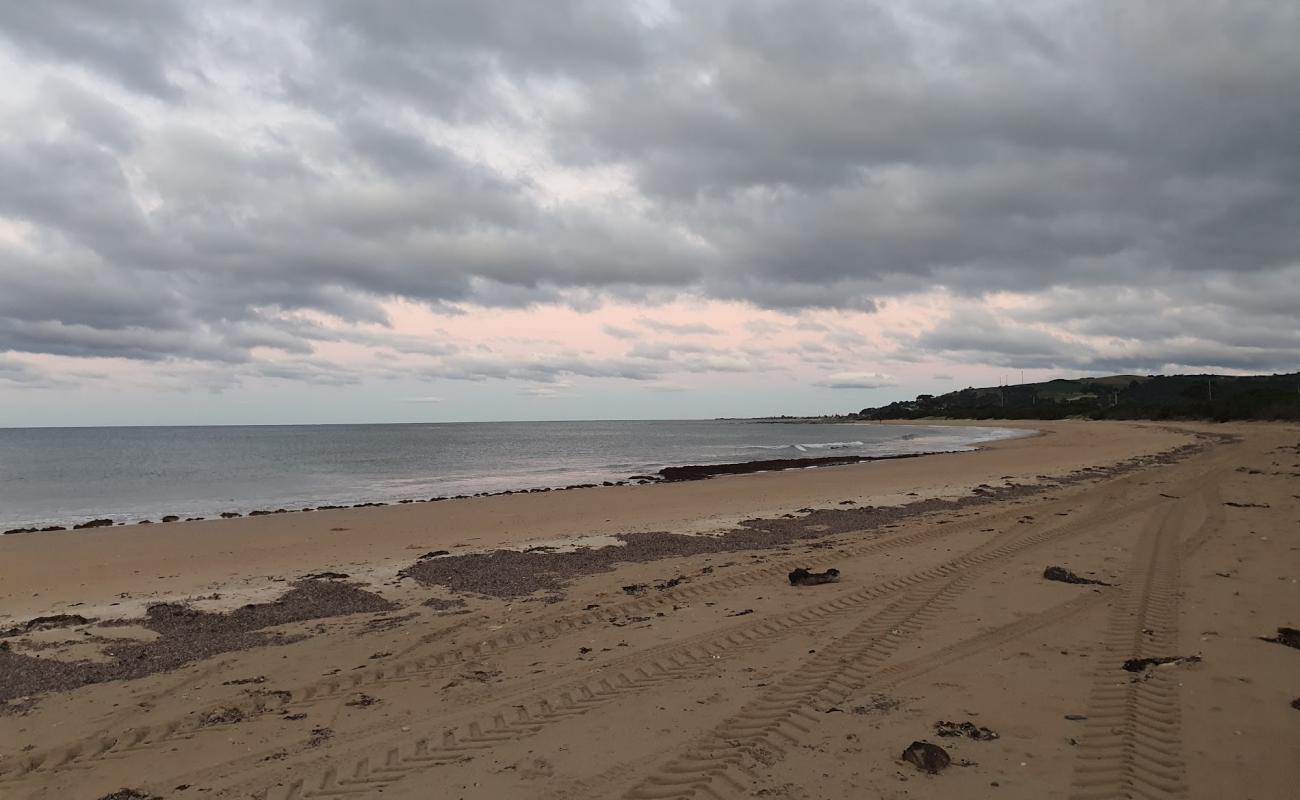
(729, 682)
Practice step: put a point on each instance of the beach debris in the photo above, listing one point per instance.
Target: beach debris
(362, 700)
(223, 716)
(1285, 636)
(185, 635)
(802, 577)
(927, 757)
(325, 576)
(635, 588)
(129, 794)
(1296, 704)
(878, 704)
(629, 621)
(669, 584)
(1142, 664)
(245, 681)
(741, 613)
(443, 604)
(1063, 575)
(1076, 717)
(47, 623)
(968, 729)
(319, 736)
(94, 523)
(1231, 504)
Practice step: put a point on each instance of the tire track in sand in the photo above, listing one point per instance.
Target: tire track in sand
(1132, 740)
(779, 718)
(925, 594)
(108, 745)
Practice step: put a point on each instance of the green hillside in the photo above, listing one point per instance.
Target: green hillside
(1215, 397)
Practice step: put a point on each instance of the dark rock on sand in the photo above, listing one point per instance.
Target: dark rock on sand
(171, 518)
(927, 757)
(1141, 664)
(19, 530)
(802, 577)
(230, 514)
(1287, 636)
(1065, 576)
(326, 576)
(94, 523)
(968, 729)
(635, 588)
(695, 472)
(1296, 704)
(434, 554)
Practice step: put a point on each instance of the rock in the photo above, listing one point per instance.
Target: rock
(802, 577)
(1287, 636)
(1296, 704)
(94, 523)
(1065, 576)
(129, 794)
(434, 554)
(171, 518)
(325, 576)
(1075, 717)
(1141, 664)
(230, 514)
(635, 588)
(927, 757)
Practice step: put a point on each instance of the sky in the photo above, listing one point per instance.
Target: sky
(327, 211)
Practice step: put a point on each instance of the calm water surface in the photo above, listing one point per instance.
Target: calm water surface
(69, 475)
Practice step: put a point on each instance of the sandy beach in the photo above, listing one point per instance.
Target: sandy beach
(498, 647)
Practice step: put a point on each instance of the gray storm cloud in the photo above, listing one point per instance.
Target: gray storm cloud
(185, 176)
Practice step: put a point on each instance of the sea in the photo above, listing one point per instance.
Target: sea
(65, 476)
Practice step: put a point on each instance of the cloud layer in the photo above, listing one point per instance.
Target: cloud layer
(253, 187)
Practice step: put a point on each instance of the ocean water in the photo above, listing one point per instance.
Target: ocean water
(62, 476)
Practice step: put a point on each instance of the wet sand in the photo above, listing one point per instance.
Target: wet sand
(680, 666)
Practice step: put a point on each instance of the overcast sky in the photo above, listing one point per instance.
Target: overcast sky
(335, 211)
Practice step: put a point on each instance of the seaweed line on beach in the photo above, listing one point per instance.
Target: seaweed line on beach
(185, 635)
(514, 573)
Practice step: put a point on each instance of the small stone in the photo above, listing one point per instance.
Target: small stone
(927, 757)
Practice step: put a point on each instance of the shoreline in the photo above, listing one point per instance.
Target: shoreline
(495, 662)
(670, 473)
(249, 559)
